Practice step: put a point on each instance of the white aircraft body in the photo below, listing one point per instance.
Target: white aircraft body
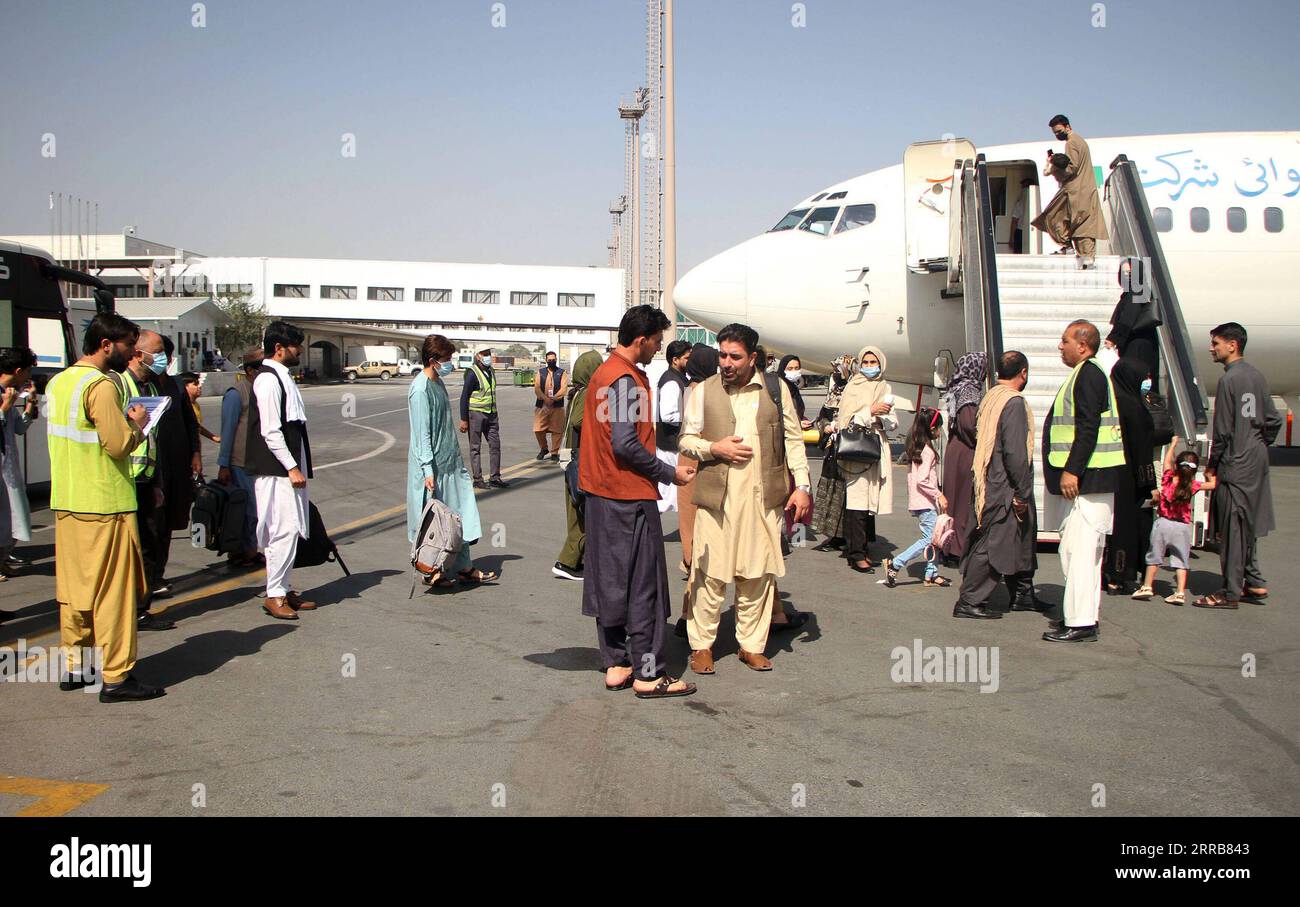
(846, 266)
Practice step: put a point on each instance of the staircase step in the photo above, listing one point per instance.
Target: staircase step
(1011, 262)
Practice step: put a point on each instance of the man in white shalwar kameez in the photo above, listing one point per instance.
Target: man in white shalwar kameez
(279, 459)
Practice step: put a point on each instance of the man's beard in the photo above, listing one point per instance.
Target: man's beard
(290, 361)
(117, 362)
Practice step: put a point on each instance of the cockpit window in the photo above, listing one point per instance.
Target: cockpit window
(818, 198)
(856, 216)
(835, 195)
(790, 220)
(820, 221)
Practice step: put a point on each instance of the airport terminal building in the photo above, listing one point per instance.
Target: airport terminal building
(347, 302)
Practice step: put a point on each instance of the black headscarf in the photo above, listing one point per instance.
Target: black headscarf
(702, 364)
(794, 391)
(1135, 422)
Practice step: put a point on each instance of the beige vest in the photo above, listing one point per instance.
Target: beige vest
(245, 390)
(720, 422)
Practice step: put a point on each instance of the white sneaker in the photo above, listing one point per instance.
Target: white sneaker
(566, 572)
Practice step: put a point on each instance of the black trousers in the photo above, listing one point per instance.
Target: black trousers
(859, 529)
(979, 580)
(155, 538)
(481, 424)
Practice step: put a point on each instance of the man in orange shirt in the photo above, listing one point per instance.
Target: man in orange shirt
(626, 583)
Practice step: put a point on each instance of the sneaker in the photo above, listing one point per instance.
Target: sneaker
(555, 458)
(150, 621)
(542, 455)
(498, 482)
(564, 571)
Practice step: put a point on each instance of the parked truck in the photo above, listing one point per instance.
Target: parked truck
(382, 362)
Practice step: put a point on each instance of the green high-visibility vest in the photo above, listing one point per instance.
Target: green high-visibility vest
(144, 459)
(1110, 438)
(484, 399)
(83, 477)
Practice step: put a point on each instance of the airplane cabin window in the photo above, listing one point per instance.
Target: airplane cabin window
(790, 221)
(1164, 218)
(1273, 220)
(856, 216)
(1236, 220)
(820, 221)
(1200, 218)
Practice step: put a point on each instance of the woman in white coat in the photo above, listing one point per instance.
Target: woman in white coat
(868, 401)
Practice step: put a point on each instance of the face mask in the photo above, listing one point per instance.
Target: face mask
(870, 371)
(446, 368)
(794, 374)
(159, 364)
(486, 360)
(550, 363)
(1146, 386)
(1060, 135)
(1187, 464)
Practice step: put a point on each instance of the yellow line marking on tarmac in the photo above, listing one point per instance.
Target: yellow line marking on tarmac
(234, 582)
(54, 798)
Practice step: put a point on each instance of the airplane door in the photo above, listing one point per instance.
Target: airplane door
(928, 200)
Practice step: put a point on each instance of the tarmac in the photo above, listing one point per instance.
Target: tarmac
(490, 701)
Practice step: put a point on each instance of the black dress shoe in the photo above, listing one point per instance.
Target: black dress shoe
(975, 612)
(479, 483)
(831, 544)
(1030, 603)
(499, 483)
(1072, 634)
(150, 621)
(14, 560)
(130, 690)
(792, 622)
(541, 455)
(70, 682)
(163, 591)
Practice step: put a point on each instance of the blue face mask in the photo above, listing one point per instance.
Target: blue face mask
(446, 368)
(871, 371)
(159, 364)
(1146, 385)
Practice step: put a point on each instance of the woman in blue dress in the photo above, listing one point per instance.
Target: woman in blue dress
(434, 465)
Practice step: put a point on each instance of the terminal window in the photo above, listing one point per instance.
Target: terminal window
(1273, 220)
(426, 295)
(578, 300)
(518, 298)
(385, 294)
(293, 290)
(480, 297)
(234, 289)
(334, 292)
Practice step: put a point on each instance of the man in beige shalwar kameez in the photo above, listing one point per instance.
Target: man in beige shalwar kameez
(1084, 223)
(745, 443)
(550, 386)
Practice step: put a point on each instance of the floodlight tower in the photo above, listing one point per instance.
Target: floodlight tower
(630, 110)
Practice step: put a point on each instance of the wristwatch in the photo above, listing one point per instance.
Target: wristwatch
(804, 488)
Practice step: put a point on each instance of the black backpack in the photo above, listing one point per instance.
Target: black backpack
(317, 548)
(219, 512)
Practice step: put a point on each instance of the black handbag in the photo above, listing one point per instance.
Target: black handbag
(1162, 423)
(857, 445)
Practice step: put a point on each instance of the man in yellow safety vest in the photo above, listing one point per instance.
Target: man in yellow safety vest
(99, 575)
(1083, 450)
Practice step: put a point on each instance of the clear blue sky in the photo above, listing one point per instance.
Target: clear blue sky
(477, 143)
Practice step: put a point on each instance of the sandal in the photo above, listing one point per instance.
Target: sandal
(631, 678)
(1145, 593)
(891, 576)
(661, 690)
(445, 582)
(1258, 594)
(938, 580)
(1217, 601)
(1178, 598)
(476, 577)
(867, 569)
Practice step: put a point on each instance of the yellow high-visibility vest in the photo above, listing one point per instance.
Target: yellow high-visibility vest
(144, 459)
(1110, 437)
(83, 477)
(484, 399)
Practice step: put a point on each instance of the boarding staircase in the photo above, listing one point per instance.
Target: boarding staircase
(1023, 302)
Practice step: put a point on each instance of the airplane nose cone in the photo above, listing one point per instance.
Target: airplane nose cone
(713, 293)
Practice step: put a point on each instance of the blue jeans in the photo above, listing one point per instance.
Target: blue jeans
(925, 520)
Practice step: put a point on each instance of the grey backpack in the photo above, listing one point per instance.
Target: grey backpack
(438, 540)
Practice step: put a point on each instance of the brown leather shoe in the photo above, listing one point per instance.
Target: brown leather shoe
(298, 603)
(702, 661)
(754, 660)
(278, 607)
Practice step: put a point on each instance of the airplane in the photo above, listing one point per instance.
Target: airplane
(852, 264)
